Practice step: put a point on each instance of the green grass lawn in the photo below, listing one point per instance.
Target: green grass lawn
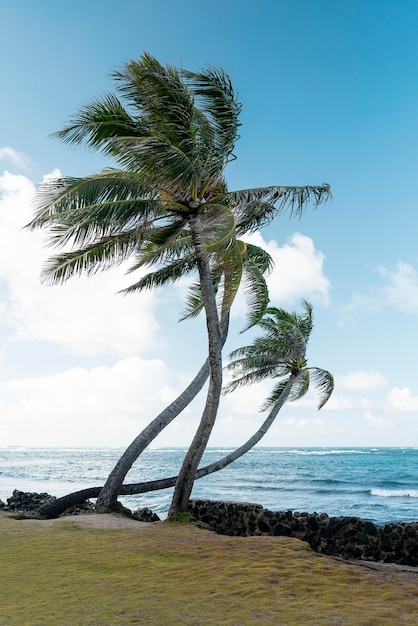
(167, 574)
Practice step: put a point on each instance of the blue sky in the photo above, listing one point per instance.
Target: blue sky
(330, 94)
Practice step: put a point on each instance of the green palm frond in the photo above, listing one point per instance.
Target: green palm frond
(292, 329)
(215, 95)
(98, 256)
(275, 395)
(251, 377)
(98, 124)
(166, 235)
(260, 258)
(218, 227)
(169, 273)
(255, 208)
(280, 352)
(151, 253)
(160, 163)
(111, 196)
(232, 275)
(255, 286)
(162, 98)
(301, 386)
(324, 384)
(194, 302)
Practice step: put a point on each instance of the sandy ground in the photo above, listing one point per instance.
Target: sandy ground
(108, 521)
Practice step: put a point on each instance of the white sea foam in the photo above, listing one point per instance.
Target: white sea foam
(395, 493)
(325, 452)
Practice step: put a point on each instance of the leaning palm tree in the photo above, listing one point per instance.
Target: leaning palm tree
(279, 354)
(255, 263)
(167, 201)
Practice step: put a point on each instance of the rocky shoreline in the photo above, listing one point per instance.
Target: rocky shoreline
(350, 538)
(346, 537)
(29, 504)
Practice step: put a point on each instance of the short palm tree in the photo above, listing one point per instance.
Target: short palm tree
(167, 202)
(280, 353)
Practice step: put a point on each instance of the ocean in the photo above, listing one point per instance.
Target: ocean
(378, 484)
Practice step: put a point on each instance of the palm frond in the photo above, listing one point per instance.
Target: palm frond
(324, 384)
(249, 378)
(98, 123)
(260, 258)
(215, 98)
(194, 302)
(301, 386)
(232, 275)
(111, 196)
(275, 395)
(218, 227)
(161, 97)
(255, 208)
(255, 286)
(169, 273)
(160, 163)
(99, 256)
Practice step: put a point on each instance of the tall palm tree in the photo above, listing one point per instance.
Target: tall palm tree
(256, 262)
(167, 202)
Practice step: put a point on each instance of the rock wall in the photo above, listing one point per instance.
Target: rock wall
(347, 537)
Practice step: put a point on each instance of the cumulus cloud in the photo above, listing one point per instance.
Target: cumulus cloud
(399, 292)
(298, 270)
(362, 380)
(400, 399)
(18, 159)
(97, 406)
(401, 288)
(85, 316)
(298, 273)
(378, 421)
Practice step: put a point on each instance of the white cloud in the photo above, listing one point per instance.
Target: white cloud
(399, 292)
(97, 406)
(298, 273)
(13, 156)
(378, 422)
(298, 270)
(400, 399)
(401, 288)
(362, 380)
(85, 316)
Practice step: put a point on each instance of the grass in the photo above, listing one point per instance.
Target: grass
(169, 573)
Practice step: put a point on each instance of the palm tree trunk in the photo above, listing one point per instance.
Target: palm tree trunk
(252, 441)
(109, 493)
(186, 477)
(61, 504)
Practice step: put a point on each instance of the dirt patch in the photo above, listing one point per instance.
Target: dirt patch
(107, 521)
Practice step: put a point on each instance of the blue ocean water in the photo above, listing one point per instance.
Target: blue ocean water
(378, 484)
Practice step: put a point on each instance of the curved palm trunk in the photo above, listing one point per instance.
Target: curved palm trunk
(109, 493)
(61, 504)
(186, 477)
(164, 483)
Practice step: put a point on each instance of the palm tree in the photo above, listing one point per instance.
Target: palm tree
(255, 263)
(167, 203)
(280, 353)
